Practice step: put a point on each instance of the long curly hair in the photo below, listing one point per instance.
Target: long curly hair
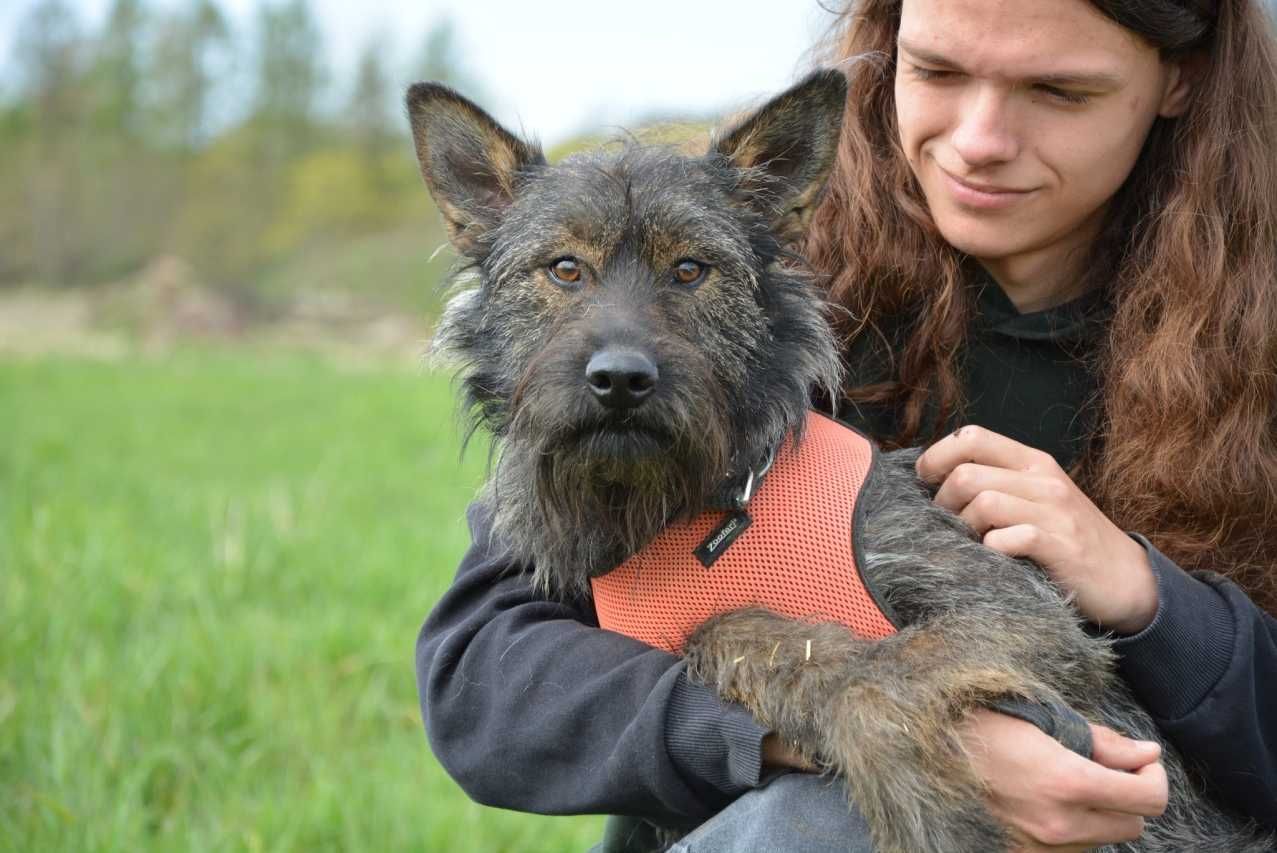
(1185, 444)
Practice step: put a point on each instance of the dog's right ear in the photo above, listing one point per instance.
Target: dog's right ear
(785, 150)
(472, 165)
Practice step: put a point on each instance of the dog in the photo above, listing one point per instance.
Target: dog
(637, 332)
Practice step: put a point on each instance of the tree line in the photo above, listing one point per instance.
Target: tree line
(171, 131)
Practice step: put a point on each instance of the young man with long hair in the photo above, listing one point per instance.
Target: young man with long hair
(1053, 224)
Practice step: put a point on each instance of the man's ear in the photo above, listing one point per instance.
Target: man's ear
(472, 165)
(785, 150)
(1181, 84)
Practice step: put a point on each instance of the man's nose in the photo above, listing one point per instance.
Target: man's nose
(984, 134)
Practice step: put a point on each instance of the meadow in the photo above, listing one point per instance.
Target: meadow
(213, 567)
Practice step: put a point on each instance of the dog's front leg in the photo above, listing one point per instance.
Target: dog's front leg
(882, 714)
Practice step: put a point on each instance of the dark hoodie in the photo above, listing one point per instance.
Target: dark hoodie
(529, 706)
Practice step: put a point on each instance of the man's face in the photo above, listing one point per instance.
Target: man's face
(1021, 118)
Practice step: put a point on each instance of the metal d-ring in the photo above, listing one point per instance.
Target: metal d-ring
(748, 492)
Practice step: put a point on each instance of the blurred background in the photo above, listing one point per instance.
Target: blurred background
(232, 168)
(230, 488)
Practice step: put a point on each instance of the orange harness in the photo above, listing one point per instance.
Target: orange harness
(794, 552)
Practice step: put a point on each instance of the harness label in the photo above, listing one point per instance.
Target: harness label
(722, 536)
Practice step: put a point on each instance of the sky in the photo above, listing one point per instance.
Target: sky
(559, 67)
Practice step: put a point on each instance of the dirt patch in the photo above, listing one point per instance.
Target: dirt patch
(164, 307)
(36, 322)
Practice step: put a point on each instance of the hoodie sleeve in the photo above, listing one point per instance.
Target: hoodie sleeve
(1206, 668)
(529, 705)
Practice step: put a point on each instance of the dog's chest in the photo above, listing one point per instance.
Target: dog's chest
(797, 556)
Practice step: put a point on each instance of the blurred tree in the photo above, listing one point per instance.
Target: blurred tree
(131, 140)
(49, 53)
(368, 116)
(238, 184)
(290, 75)
(441, 60)
(16, 241)
(213, 224)
(282, 127)
(222, 217)
(328, 195)
(128, 186)
(192, 44)
(368, 112)
(116, 74)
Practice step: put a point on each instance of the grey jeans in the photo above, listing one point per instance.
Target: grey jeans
(796, 812)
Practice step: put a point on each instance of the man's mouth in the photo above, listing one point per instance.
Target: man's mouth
(982, 196)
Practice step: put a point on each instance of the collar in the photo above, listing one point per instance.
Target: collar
(742, 482)
(1075, 320)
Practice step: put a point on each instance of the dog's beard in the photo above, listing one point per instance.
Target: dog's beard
(579, 493)
(627, 484)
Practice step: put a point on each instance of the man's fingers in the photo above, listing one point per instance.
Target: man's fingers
(1103, 828)
(970, 479)
(1121, 753)
(1155, 775)
(989, 510)
(1077, 830)
(979, 445)
(1142, 793)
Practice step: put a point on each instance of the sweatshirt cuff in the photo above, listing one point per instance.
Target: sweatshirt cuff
(711, 741)
(1175, 662)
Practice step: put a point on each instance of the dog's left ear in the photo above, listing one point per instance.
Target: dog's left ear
(785, 150)
(472, 165)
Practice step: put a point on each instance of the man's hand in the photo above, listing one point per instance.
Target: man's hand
(1052, 799)
(1023, 504)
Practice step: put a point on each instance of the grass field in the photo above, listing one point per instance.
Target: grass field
(212, 570)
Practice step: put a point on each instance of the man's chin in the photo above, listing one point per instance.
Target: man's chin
(986, 236)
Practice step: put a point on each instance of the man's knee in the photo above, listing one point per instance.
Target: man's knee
(797, 811)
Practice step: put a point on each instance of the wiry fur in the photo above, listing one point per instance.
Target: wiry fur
(884, 714)
(577, 487)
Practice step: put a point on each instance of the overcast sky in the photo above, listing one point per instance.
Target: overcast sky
(556, 67)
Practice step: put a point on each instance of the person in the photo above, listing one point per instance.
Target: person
(1055, 224)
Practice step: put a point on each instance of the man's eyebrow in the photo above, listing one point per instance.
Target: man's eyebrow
(1083, 79)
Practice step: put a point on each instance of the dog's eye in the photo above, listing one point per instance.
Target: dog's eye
(566, 271)
(689, 272)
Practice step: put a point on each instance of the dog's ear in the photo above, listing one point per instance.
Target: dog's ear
(784, 150)
(472, 165)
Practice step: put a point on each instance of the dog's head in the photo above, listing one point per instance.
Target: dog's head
(636, 324)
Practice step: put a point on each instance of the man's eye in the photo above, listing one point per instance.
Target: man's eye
(689, 272)
(1064, 95)
(566, 271)
(930, 73)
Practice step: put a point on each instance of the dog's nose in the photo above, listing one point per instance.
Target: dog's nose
(621, 378)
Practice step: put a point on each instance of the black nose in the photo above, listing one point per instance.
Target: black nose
(620, 378)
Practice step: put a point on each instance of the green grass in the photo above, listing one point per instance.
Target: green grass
(212, 571)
